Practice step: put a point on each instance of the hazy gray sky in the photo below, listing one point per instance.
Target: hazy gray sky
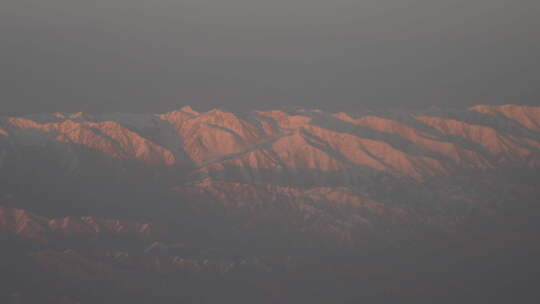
(154, 55)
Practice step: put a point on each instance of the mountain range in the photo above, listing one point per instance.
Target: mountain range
(133, 204)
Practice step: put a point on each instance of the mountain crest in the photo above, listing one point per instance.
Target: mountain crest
(413, 145)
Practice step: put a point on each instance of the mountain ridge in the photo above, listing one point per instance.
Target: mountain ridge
(291, 205)
(203, 138)
(283, 156)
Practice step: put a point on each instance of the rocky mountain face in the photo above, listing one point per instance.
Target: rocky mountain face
(415, 145)
(184, 193)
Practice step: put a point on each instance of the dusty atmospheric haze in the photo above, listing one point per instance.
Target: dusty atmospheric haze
(235, 151)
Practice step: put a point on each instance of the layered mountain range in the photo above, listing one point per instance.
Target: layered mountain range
(400, 143)
(231, 186)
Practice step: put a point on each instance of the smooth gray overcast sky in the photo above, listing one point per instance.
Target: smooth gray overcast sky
(155, 55)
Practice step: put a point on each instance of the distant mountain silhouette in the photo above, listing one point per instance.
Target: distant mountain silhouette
(129, 205)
